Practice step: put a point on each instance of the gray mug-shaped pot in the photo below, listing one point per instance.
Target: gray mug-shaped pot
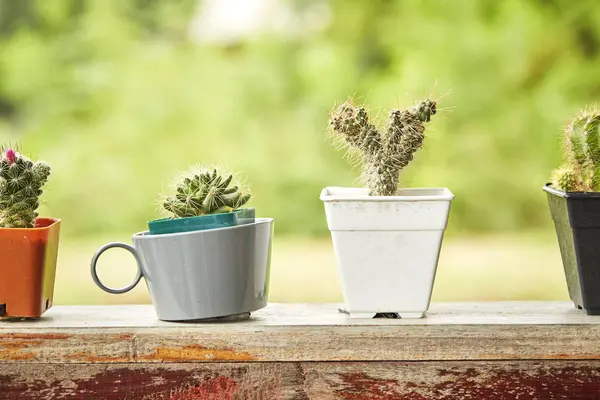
(201, 274)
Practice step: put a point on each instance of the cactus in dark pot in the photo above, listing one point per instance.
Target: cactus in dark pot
(206, 192)
(384, 154)
(21, 183)
(581, 142)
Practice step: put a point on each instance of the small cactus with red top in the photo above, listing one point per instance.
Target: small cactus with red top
(21, 183)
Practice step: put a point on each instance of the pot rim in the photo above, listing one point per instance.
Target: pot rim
(145, 236)
(578, 195)
(339, 193)
(199, 217)
(41, 228)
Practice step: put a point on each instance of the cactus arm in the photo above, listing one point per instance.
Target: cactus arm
(406, 132)
(236, 200)
(592, 138)
(230, 190)
(226, 182)
(352, 124)
(243, 199)
(575, 144)
(592, 135)
(230, 200)
(210, 204)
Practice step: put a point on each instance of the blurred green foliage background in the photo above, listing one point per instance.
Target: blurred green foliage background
(119, 97)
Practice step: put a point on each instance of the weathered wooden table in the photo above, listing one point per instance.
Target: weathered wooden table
(529, 350)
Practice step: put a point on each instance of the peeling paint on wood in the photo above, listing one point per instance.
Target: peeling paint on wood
(499, 383)
(33, 336)
(195, 352)
(221, 387)
(91, 358)
(464, 381)
(34, 346)
(133, 381)
(304, 381)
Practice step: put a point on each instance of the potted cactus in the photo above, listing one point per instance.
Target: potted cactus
(210, 259)
(574, 201)
(386, 240)
(204, 199)
(28, 244)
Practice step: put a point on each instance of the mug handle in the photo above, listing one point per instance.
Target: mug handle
(127, 288)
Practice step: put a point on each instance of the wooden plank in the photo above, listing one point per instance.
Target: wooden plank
(550, 380)
(277, 314)
(530, 331)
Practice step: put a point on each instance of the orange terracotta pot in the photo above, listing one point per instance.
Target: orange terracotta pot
(27, 268)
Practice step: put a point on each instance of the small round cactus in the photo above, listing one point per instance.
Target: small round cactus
(384, 154)
(565, 179)
(21, 182)
(206, 192)
(581, 142)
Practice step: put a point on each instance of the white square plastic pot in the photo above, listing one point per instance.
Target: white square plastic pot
(387, 247)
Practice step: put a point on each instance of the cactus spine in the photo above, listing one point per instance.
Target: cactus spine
(581, 143)
(206, 192)
(384, 155)
(21, 182)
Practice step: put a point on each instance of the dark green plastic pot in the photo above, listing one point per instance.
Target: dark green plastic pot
(576, 218)
(201, 223)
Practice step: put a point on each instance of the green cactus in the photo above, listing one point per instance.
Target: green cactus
(206, 192)
(383, 155)
(565, 179)
(21, 182)
(581, 142)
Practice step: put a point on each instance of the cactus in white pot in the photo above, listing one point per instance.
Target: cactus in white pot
(386, 239)
(384, 155)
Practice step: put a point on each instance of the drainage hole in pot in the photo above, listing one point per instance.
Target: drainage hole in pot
(2, 310)
(392, 315)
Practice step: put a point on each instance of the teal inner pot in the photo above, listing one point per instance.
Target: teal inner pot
(200, 223)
